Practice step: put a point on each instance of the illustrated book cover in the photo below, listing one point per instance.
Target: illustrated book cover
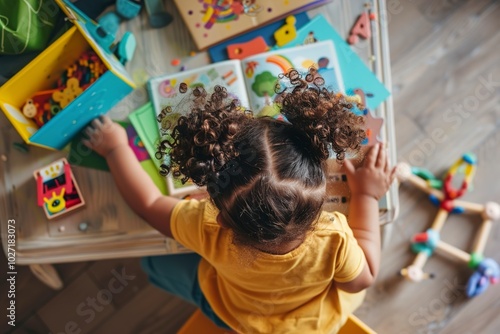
(213, 21)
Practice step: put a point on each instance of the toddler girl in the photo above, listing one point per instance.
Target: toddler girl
(267, 258)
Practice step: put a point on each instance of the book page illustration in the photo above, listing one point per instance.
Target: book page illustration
(261, 72)
(169, 104)
(354, 71)
(164, 90)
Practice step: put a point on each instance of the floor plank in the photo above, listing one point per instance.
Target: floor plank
(30, 295)
(32, 325)
(159, 312)
(475, 317)
(81, 305)
(452, 52)
(104, 274)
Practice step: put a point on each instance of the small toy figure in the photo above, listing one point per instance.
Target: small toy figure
(65, 95)
(57, 189)
(486, 271)
(104, 30)
(29, 109)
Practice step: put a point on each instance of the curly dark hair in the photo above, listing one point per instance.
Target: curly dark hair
(266, 176)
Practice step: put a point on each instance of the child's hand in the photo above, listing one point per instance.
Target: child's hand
(105, 135)
(374, 177)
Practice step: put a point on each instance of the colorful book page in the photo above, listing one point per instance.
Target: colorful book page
(213, 21)
(80, 155)
(355, 73)
(144, 121)
(164, 90)
(146, 125)
(262, 71)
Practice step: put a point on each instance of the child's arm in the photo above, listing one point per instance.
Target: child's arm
(110, 140)
(368, 184)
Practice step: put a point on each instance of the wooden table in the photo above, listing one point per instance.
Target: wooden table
(114, 230)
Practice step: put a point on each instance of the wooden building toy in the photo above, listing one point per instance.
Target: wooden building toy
(446, 197)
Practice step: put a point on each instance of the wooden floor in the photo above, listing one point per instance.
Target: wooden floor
(446, 90)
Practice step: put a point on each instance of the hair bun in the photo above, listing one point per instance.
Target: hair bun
(201, 142)
(324, 116)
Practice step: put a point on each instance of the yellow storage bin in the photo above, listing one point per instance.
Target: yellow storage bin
(43, 74)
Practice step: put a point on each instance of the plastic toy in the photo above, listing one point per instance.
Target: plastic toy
(247, 49)
(44, 105)
(64, 96)
(124, 9)
(360, 29)
(286, 33)
(57, 190)
(40, 107)
(124, 50)
(93, 8)
(110, 22)
(443, 194)
(158, 17)
(128, 9)
(29, 109)
(105, 29)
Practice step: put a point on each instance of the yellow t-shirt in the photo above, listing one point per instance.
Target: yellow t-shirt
(257, 292)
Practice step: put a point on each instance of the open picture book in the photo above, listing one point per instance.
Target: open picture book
(253, 80)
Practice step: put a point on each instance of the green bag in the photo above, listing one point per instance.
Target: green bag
(26, 25)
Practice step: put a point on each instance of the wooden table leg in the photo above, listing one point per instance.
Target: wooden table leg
(48, 275)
